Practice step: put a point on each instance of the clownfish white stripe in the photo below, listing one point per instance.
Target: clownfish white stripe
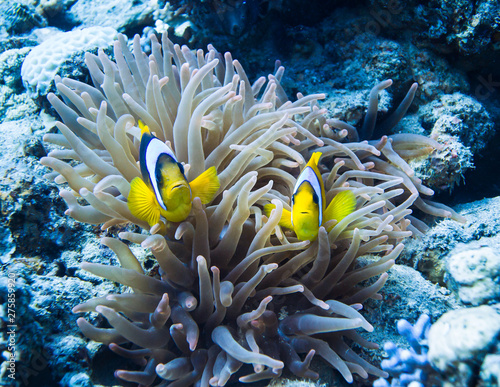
(308, 175)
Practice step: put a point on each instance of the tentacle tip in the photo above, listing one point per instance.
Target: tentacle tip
(200, 259)
(100, 309)
(121, 374)
(80, 321)
(192, 345)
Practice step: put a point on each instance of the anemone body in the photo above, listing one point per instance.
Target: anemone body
(234, 293)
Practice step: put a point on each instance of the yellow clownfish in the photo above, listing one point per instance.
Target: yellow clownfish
(164, 190)
(308, 204)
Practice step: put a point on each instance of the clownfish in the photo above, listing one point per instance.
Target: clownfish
(308, 204)
(164, 190)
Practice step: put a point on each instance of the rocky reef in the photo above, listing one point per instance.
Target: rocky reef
(399, 111)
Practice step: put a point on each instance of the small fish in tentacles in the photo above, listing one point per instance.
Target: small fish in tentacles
(164, 190)
(308, 204)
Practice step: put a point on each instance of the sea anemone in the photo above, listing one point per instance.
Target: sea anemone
(231, 289)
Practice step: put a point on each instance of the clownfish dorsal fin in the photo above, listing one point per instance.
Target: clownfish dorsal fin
(142, 202)
(144, 128)
(286, 216)
(343, 204)
(314, 160)
(205, 186)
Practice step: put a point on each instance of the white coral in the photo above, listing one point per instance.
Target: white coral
(43, 61)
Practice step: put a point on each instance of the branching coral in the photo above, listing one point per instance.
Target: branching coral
(211, 310)
(410, 367)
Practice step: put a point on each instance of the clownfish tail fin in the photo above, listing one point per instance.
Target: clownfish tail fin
(142, 202)
(206, 185)
(286, 216)
(343, 204)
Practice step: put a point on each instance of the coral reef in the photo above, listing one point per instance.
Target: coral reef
(337, 48)
(189, 325)
(428, 253)
(410, 367)
(473, 30)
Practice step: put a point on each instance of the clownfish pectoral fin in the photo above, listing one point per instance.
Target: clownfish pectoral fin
(206, 185)
(343, 204)
(286, 216)
(142, 202)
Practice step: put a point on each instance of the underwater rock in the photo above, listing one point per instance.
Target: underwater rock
(361, 56)
(462, 26)
(473, 271)
(407, 295)
(434, 74)
(16, 42)
(10, 68)
(428, 253)
(15, 106)
(472, 122)
(77, 380)
(49, 344)
(71, 360)
(44, 61)
(52, 10)
(28, 342)
(445, 168)
(7, 247)
(19, 17)
(459, 342)
(33, 214)
(490, 370)
(14, 103)
(123, 16)
(350, 105)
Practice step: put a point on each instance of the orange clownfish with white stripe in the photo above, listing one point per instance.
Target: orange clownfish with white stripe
(164, 190)
(308, 204)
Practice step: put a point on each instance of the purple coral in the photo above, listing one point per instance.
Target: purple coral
(409, 367)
